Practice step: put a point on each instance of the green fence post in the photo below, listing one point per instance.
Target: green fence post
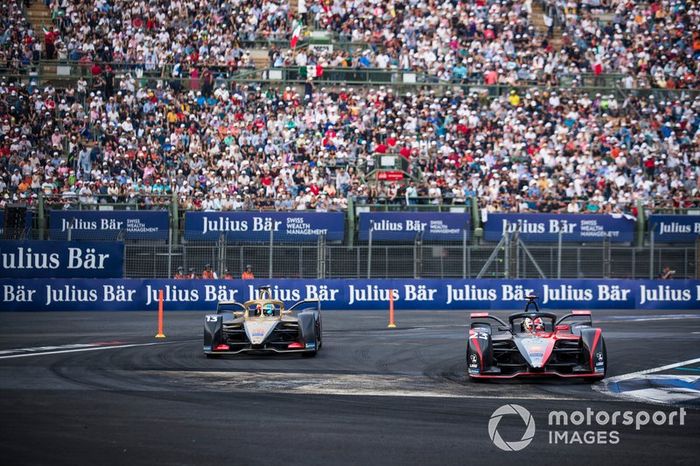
(174, 214)
(641, 223)
(478, 232)
(41, 215)
(351, 221)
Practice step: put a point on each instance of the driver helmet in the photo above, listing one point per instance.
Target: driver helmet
(527, 324)
(269, 309)
(539, 324)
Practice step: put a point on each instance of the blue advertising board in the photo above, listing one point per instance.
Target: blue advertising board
(341, 294)
(405, 226)
(61, 259)
(109, 224)
(257, 226)
(675, 228)
(546, 228)
(28, 220)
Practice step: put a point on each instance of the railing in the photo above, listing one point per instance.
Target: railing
(669, 206)
(415, 204)
(127, 201)
(400, 81)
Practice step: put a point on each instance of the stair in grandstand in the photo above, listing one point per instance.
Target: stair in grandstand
(537, 20)
(39, 16)
(260, 58)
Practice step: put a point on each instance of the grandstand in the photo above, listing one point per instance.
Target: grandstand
(499, 106)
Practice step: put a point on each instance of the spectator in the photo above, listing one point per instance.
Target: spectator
(208, 273)
(248, 273)
(667, 273)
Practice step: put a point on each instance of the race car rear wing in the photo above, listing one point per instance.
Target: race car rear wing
(580, 315)
(486, 315)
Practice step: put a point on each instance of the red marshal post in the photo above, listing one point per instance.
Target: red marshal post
(392, 324)
(160, 315)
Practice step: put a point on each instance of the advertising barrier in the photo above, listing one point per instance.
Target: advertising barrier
(405, 226)
(61, 259)
(675, 228)
(108, 224)
(256, 226)
(546, 228)
(463, 295)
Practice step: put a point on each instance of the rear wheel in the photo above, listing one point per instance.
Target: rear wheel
(212, 356)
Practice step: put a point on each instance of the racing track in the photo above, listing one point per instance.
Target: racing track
(372, 396)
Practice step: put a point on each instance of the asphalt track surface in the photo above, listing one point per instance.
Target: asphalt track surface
(371, 396)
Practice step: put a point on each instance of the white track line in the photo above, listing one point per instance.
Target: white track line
(39, 349)
(632, 375)
(77, 350)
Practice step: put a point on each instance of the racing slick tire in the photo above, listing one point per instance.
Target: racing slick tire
(472, 379)
(487, 328)
(317, 341)
(605, 370)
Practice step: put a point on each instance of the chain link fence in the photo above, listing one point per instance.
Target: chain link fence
(511, 258)
(412, 260)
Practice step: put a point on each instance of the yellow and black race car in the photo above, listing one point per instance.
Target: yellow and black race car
(263, 325)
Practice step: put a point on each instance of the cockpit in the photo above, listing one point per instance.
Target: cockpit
(263, 309)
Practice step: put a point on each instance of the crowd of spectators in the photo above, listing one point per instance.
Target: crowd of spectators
(192, 33)
(252, 147)
(19, 45)
(216, 145)
(652, 44)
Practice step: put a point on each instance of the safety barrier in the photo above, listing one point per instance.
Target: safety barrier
(464, 295)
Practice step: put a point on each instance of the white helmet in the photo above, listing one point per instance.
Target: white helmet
(538, 324)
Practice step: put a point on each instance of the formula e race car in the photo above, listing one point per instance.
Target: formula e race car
(263, 325)
(535, 343)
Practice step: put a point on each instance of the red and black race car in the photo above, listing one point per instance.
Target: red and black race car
(535, 343)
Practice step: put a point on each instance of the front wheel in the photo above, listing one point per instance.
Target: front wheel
(472, 358)
(605, 367)
(311, 354)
